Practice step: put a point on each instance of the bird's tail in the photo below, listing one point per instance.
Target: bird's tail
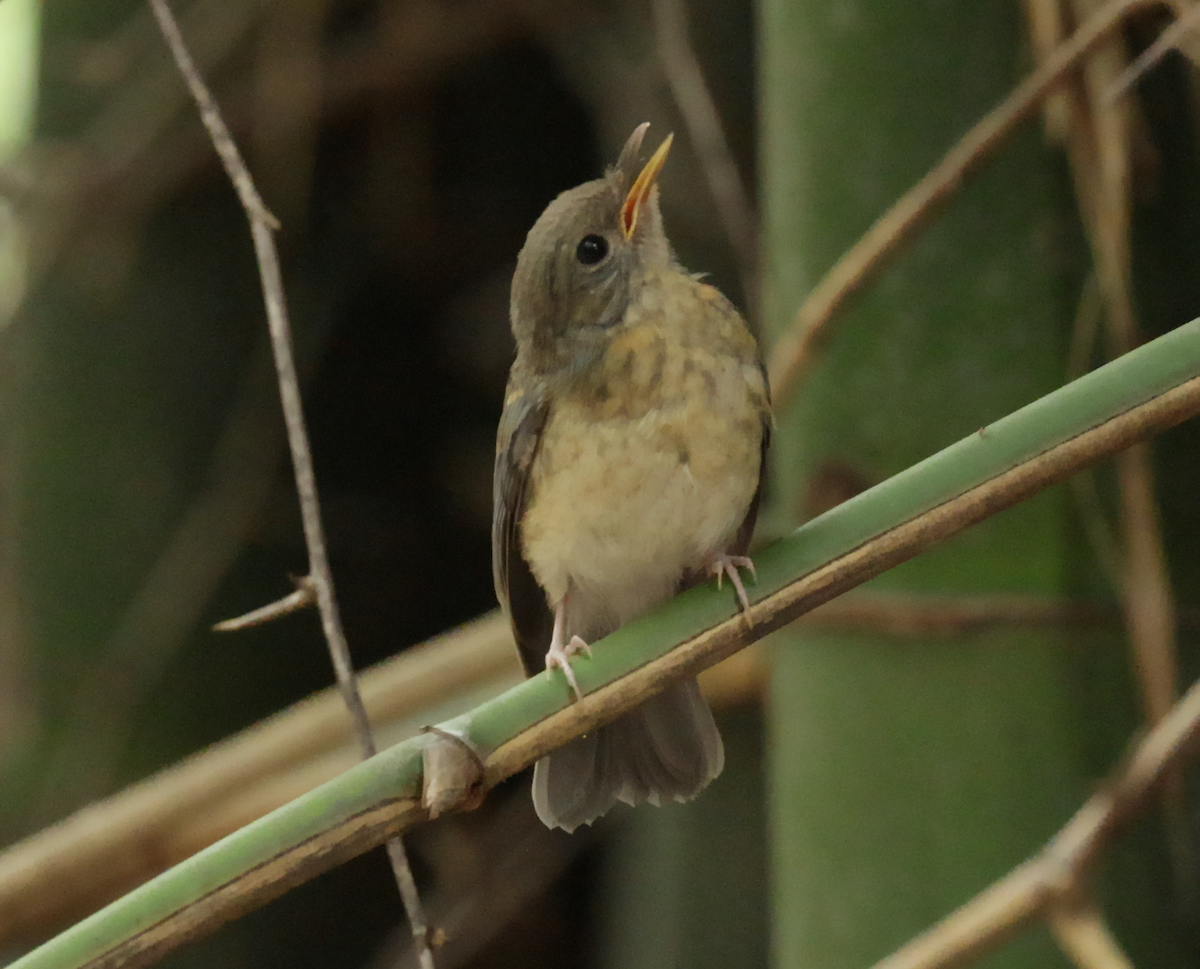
(666, 749)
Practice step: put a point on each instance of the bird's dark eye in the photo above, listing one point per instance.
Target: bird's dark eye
(591, 249)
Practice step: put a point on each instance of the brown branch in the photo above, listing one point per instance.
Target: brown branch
(1055, 875)
(1047, 24)
(1168, 40)
(1146, 583)
(262, 224)
(304, 597)
(1099, 142)
(796, 347)
(1079, 930)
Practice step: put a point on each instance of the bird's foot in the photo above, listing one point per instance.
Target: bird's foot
(723, 565)
(559, 655)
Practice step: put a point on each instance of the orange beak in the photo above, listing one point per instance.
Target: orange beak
(641, 187)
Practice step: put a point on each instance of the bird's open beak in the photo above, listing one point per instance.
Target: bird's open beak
(641, 187)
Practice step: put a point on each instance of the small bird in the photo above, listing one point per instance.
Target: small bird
(629, 466)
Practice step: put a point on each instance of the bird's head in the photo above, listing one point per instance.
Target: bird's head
(584, 259)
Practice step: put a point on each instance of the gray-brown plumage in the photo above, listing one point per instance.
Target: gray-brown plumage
(628, 467)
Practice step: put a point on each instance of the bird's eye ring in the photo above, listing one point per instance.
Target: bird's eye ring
(591, 249)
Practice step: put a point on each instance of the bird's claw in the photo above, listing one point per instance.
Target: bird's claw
(559, 656)
(729, 565)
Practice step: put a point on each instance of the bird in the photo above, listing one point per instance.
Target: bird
(630, 458)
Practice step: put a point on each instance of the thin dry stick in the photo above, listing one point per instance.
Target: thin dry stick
(795, 348)
(1080, 932)
(1054, 876)
(262, 224)
(304, 597)
(695, 103)
(1168, 40)
(1047, 24)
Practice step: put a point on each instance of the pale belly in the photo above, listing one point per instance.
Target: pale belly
(620, 513)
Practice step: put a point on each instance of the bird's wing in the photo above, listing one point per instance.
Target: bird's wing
(745, 532)
(517, 442)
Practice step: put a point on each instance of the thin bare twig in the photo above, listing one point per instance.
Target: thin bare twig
(1168, 40)
(795, 348)
(304, 596)
(1099, 139)
(695, 103)
(1047, 23)
(262, 224)
(1080, 931)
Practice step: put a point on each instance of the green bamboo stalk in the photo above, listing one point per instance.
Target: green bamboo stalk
(380, 796)
(905, 777)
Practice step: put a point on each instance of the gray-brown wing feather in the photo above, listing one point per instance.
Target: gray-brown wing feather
(523, 600)
(745, 532)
